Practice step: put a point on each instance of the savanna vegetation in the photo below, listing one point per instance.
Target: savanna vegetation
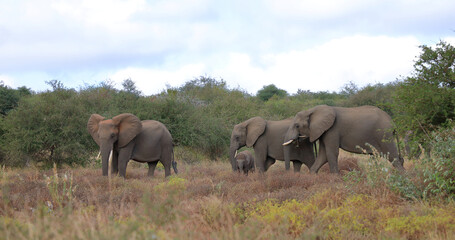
(51, 183)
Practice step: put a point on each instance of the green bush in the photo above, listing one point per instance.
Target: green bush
(425, 101)
(48, 127)
(9, 97)
(439, 168)
(269, 91)
(379, 95)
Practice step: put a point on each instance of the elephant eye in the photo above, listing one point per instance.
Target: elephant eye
(112, 135)
(297, 125)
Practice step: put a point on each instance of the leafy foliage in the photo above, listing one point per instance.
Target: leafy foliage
(425, 101)
(9, 97)
(379, 95)
(47, 128)
(269, 91)
(439, 169)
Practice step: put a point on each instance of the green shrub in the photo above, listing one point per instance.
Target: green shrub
(439, 168)
(379, 95)
(48, 127)
(269, 91)
(425, 101)
(378, 172)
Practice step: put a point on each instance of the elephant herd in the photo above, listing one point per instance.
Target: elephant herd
(358, 130)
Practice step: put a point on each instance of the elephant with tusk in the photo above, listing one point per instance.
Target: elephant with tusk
(125, 137)
(356, 130)
(266, 138)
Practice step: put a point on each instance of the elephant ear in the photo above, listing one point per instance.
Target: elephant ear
(321, 119)
(92, 127)
(129, 126)
(255, 127)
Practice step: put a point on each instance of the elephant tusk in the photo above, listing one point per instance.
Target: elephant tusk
(109, 165)
(235, 155)
(303, 136)
(99, 154)
(288, 142)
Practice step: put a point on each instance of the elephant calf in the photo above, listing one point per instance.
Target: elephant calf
(245, 162)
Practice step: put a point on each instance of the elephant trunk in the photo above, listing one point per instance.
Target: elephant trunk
(232, 153)
(291, 136)
(241, 165)
(287, 157)
(106, 155)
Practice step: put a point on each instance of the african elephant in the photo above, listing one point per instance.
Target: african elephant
(266, 137)
(125, 137)
(245, 162)
(352, 129)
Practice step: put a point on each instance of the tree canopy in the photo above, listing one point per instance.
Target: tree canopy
(269, 91)
(425, 100)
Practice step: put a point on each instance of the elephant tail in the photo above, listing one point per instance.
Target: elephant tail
(173, 162)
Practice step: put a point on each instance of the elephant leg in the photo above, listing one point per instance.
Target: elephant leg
(320, 160)
(167, 167)
(124, 156)
(166, 160)
(332, 149)
(122, 167)
(152, 166)
(259, 160)
(114, 167)
(297, 165)
(269, 162)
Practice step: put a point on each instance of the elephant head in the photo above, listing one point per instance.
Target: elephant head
(311, 123)
(116, 132)
(245, 133)
(245, 162)
(241, 165)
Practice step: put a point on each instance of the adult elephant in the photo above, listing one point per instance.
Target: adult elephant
(352, 129)
(266, 137)
(125, 137)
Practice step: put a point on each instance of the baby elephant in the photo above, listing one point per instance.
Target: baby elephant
(245, 162)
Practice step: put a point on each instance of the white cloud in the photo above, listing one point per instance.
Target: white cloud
(360, 59)
(450, 40)
(153, 81)
(8, 81)
(105, 13)
(315, 10)
(315, 45)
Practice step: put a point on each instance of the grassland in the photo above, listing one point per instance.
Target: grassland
(206, 200)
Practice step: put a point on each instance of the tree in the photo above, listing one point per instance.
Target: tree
(379, 95)
(48, 127)
(269, 91)
(129, 86)
(425, 101)
(9, 97)
(349, 89)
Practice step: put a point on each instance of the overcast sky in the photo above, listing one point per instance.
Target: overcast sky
(315, 45)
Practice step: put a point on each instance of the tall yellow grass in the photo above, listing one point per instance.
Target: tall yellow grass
(208, 201)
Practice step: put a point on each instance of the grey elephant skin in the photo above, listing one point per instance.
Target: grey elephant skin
(129, 138)
(266, 137)
(352, 129)
(245, 162)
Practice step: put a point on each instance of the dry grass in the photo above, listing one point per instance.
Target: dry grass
(208, 201)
